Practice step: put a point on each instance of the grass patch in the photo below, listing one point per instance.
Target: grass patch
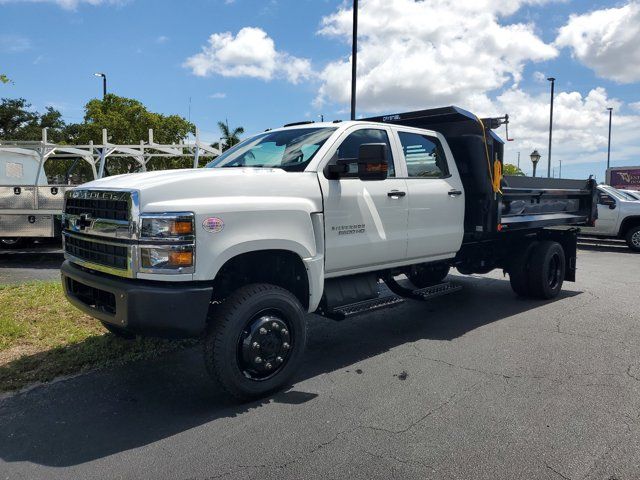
(42, 337)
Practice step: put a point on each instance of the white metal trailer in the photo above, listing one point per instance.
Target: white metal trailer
(31, 199)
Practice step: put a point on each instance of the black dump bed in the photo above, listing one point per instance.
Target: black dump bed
(494, 203)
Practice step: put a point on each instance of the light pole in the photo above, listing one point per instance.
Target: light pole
(321, 117)
(553, 84)
(518, 159)
(535, 158)
(104, 83)
(609, 144)
(560, 174)
(354, 59)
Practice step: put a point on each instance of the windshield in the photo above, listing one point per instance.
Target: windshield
(618, 193)
(290, 150)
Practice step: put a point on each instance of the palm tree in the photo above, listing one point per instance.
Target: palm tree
(229, 137)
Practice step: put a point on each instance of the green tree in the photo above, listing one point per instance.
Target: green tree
(15, 116)
(229, 136)
(4, 78)
(509, 169)
(19, 122)
(128, 122)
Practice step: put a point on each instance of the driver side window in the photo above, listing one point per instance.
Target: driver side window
(350, 148)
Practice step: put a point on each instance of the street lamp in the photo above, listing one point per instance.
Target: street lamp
(104, 83)
(354, 59)
(535, 158)
(553, 84)
(609, 144)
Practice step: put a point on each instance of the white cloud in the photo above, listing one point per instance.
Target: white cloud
(218, 95)
(635, 106)
(606, 41)
(414, 54)
(14, 43)
(580, 128)
(250, 53)
(162, 39)
(539, 77)
(69, 4)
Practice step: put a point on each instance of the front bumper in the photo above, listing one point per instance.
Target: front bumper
(176, 309)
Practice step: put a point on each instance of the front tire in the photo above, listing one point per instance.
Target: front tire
(633, 238)
(255, 341)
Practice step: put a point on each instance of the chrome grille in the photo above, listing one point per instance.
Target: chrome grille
(106, 254)
(100, 230)
(103, 209)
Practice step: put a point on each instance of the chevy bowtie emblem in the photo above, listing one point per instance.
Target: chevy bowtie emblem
(84, 221)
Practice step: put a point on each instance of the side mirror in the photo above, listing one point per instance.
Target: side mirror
(372, 161)
(607, 200)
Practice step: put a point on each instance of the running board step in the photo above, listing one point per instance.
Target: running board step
(366, 306)
(435, 291)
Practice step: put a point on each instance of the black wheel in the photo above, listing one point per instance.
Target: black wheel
(118, 331)
(519, 270)
(546, 270)
(633, 238)
(427, 275)
(255, 341)
(12, 242)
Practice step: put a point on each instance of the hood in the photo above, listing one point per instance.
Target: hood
(173, 190)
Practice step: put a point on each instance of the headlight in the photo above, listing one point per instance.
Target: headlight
(172, 257)
(167, 243)
(167, 226)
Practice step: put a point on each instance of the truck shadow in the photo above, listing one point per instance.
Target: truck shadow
(92, 416)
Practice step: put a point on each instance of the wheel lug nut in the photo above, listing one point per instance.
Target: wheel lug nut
(278, 359)
(255, 345)
(258, 360)
(285, 331)
(268, 366)
(274, 325)
(263, 331)
(286, 346)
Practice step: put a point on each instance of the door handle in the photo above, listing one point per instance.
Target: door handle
(454, 193)
(396, 194)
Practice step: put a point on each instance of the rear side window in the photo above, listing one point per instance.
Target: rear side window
(350, 148)
(424, 156)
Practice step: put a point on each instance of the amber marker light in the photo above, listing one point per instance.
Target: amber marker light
(181, 259)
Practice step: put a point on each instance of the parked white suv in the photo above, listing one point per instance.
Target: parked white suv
(618, 217)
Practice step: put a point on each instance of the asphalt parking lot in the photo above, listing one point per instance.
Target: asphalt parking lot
(476, 385)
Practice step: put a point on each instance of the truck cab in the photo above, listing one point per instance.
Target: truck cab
(311, 218)
(618, 217)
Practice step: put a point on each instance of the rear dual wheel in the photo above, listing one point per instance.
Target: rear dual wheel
(255, 341)
(538, 270)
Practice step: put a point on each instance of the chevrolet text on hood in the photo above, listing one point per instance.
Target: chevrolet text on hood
(309, 218)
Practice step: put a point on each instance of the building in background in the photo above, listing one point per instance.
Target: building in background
(624, 178)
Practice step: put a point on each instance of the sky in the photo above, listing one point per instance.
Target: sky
(263, 63)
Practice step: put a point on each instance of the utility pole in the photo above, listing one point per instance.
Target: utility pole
(609, 144)
(354, 59)
(553, 84)
(518, 159)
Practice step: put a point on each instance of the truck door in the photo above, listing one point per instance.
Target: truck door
(608, 213)
(436, 196)
(365, 221)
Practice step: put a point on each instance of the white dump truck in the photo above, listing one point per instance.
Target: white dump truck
(310, 218)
